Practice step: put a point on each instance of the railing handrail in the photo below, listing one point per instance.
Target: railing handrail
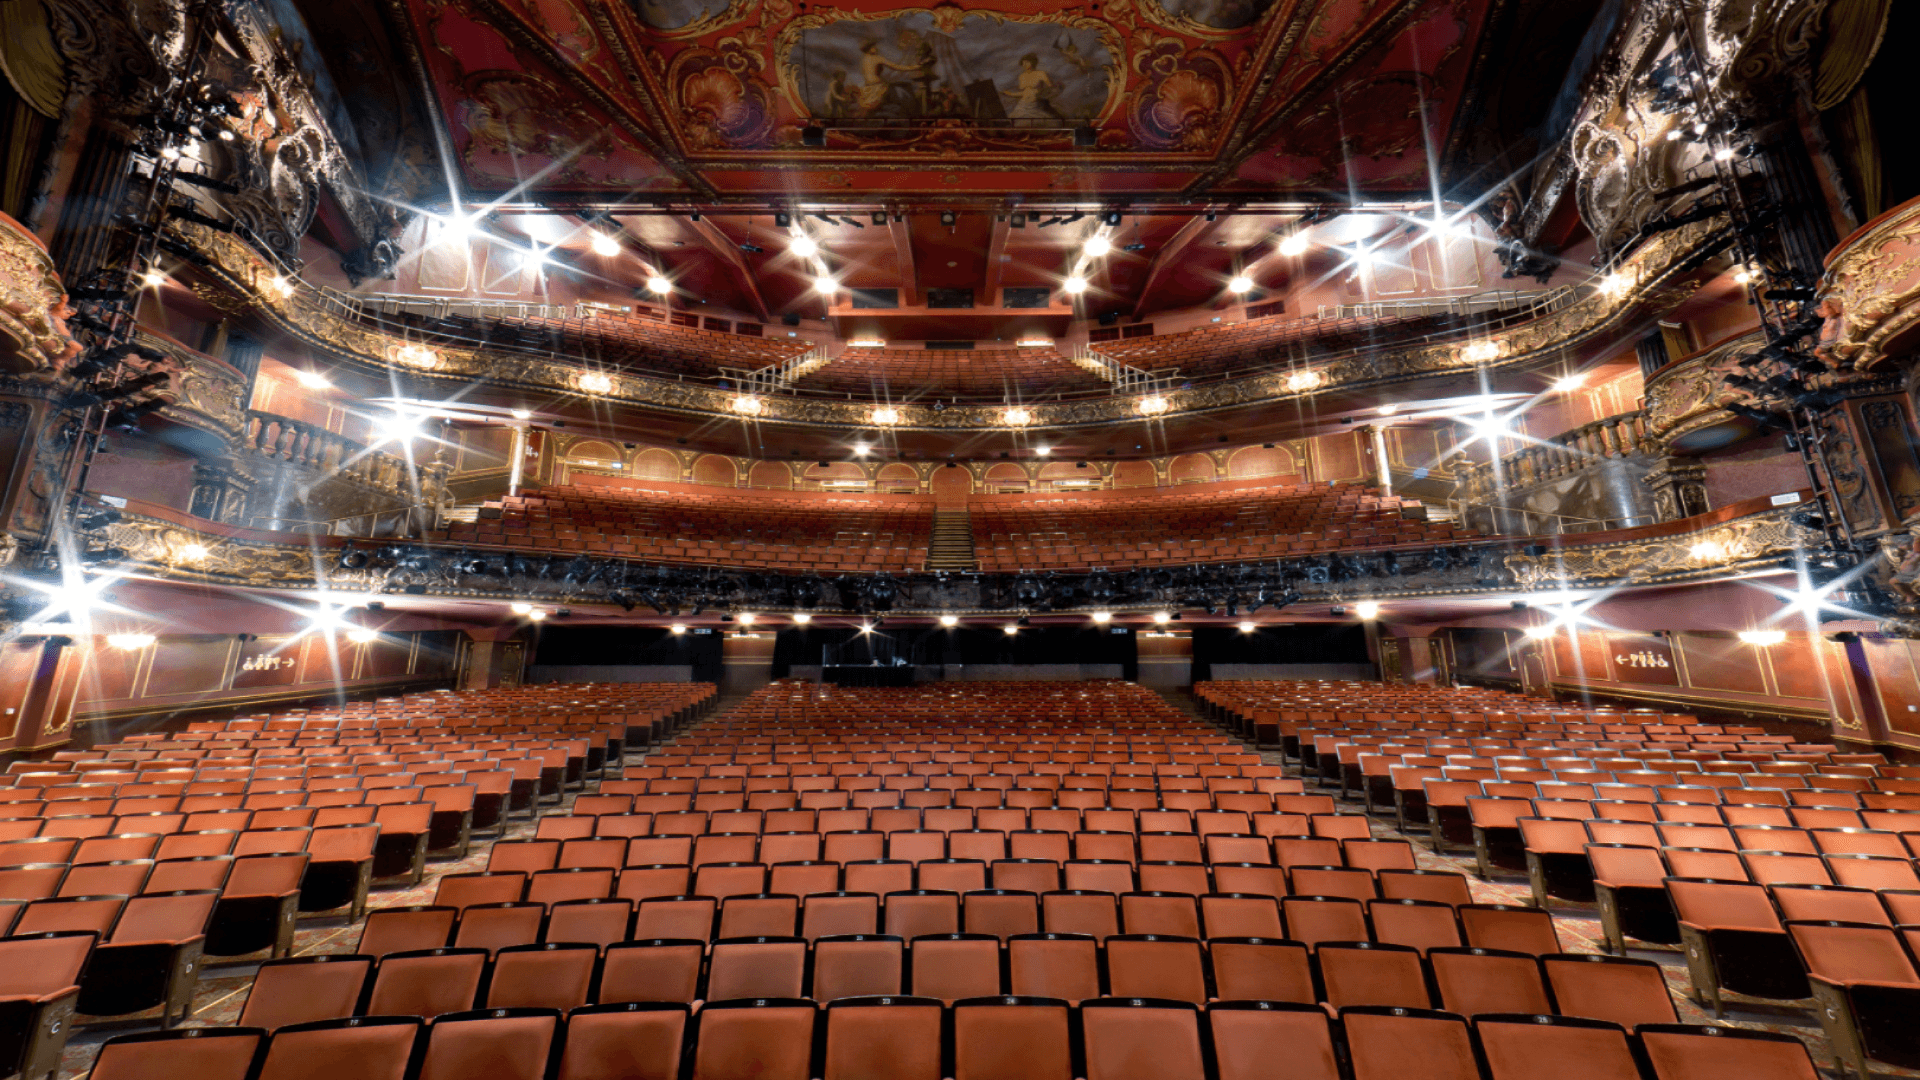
(1510, 304)
(1566, 440)
(1538, 302)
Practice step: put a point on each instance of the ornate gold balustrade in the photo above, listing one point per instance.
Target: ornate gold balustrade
(33, 306)
(1743, 539)
(1871, 291)
(1687, 400)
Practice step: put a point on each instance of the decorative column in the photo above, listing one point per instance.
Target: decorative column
(517, 456)
(1383, 472)
(1679, 488)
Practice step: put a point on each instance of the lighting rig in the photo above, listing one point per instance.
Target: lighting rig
(1790, 388)
(674, 591)
(117, 382)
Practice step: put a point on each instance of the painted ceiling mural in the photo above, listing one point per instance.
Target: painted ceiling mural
(710, 97)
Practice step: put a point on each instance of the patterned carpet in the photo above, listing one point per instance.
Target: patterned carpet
(223, 984)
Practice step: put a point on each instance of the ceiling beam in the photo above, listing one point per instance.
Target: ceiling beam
(900, 229)
(1165, 259)
(996, 260)
(728, 252)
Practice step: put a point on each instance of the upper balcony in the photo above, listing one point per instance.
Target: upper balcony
(687, 378)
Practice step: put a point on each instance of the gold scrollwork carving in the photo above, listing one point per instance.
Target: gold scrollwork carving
(1711, 551)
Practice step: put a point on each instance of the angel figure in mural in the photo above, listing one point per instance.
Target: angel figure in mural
(1069, 51)
(1032, 95)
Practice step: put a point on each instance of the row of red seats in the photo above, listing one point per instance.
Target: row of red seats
(905, 1038)
(908, 374)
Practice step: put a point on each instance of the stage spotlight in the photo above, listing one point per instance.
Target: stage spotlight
(1011, 629)
(677, 628)
(1367, 610)
(1103, 617)
(801, 618)
(1097, 246)
(1763, 638)
(949, 620)
(804, 246)
(949, 218)
(1161, 618)
(1075, 285)
(658, 285)
(603, 244)
(1248, 627)
(1240, 285)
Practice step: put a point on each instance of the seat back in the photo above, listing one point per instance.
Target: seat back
(304, 989)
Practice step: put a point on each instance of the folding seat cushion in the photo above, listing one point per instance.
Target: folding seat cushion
(1734, 941)
(1523, 1047)
(912, 914)
(1421, 924)
(1439, 885)
(214, 1054)
(1387, 1043)
(884, 1038)
(1865, 986)
(1134, 1039)
(1368, 973)
(1829, 903)
(857, 965)
(1015, 1038)
(1616, 989)
(427, 982)
(151, 957)
(1687, 1052)
(595, 921)
(655, 970)
(1168, 914)
(544, 976)
(1272, 1040)
(406, 929)
(303, 989)
(499, 926)
(1475, 981)
(1261, 969)
(625, 1041)
(1507, 926)
(1313, 919)
(1156, 966)
(39, 989)
(759, 967)
(955, 966)
(500, 1043)
(754, 1039)
(375, 1047)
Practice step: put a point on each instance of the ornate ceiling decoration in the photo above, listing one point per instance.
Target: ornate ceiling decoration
(718, 98)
